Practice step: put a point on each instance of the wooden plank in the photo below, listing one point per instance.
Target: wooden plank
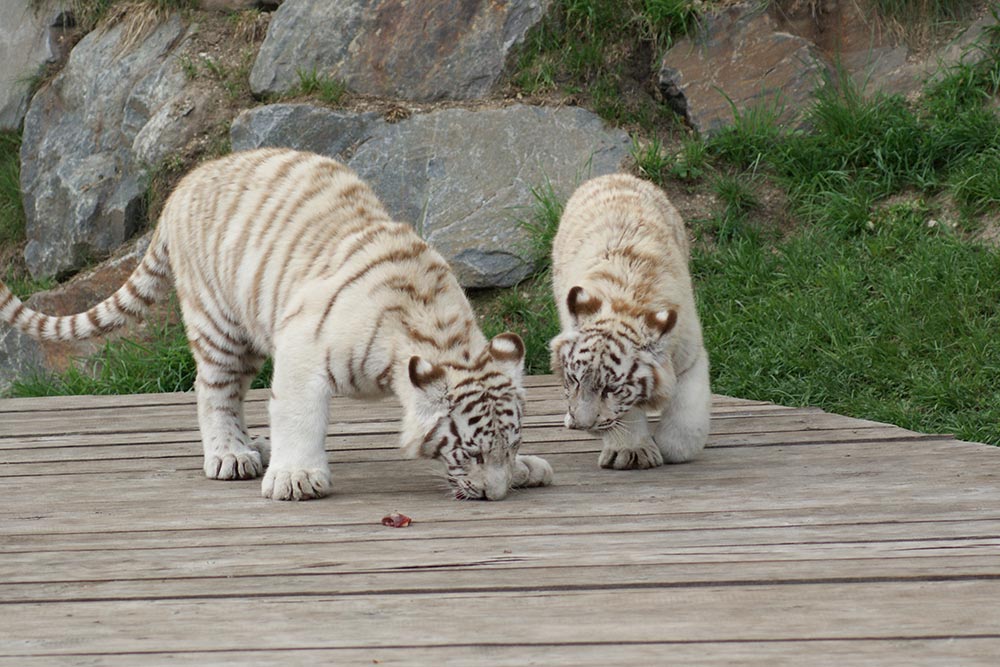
(170, 418)
(537, 385)
(763, 612)
(164, 426)
(944, 651)
(187, 453)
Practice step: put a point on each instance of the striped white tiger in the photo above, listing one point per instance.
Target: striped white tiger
(631, 338)
(289, 254)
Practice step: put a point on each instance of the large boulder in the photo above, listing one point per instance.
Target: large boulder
(30, 38)
(91, 135)
(394, 48)
(737, 60)
(463, 178)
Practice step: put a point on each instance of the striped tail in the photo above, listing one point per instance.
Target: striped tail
(149, 281)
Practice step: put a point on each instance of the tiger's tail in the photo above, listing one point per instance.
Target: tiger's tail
(150, 280)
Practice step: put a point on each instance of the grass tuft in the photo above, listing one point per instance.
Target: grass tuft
(12, 218)
(312, 83)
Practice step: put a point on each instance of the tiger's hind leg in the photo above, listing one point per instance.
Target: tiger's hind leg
(225, 370)
(630, 446)
(683, 427)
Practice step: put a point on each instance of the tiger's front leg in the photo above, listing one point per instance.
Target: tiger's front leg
(630, 446)
(299, 410)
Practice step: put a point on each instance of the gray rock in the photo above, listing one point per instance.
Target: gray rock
(873, 56)
(462, 178)
(301, 126)
(28, 40)
(739, 59)
(89, 138)
(20, 357)
(394, 48)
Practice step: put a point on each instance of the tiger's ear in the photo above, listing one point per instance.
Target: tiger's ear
(661, 323)
(424, 375)
(507, 350)
(580, 304)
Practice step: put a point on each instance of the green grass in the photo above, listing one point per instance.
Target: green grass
(529, 311)
(125, 366)
(864, 148)
(313, 84)
(896, 325)
(11, 211)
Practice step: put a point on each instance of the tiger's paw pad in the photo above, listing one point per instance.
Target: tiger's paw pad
(531, 471)
(245, 464)
(641, 457)
(296, 484)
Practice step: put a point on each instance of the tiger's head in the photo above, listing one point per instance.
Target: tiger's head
(612, 359)
(469, 418)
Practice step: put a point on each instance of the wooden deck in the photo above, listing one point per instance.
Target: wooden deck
(799, 537)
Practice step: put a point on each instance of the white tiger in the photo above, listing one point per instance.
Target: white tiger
(631, 338)
(289, 254)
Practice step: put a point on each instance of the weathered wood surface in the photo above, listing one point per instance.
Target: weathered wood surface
(799, 537)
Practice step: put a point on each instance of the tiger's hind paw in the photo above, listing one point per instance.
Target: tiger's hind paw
(531, 471)
(263, 447)
(296, 484)
(245, 464)
(638, 457)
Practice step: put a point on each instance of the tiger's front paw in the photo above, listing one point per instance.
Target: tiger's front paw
(296, 484)
(531, 471)
(635, 457)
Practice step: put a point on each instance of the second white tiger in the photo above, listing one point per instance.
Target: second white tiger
(290, 254)
(631, 338)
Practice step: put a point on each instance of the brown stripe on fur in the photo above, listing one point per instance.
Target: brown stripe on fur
(385, 378)
(257, 227)
(421, 338)
(272, 228)
(375, 332)
(352, 379)
(10, 297)
(393, 256)
(480, 378)
(609, 277)
(329, 373)
(133, 292)
(206, 340)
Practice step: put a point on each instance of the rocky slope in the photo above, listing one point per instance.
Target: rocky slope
(428, 122)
